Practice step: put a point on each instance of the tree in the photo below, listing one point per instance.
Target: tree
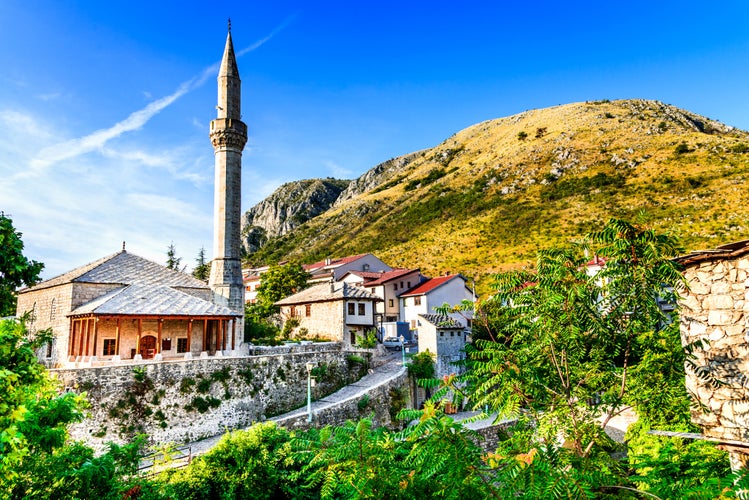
(568, 342)
(202, 269)
(279, 282)
(36, 461)
(172, 261)
(15, 269)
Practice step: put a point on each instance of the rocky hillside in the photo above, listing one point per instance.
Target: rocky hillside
(491, 195)
(291, 205)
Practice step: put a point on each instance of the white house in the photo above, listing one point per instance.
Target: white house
(444, 337)
(388, 285)
(425, 297)
(335, 269)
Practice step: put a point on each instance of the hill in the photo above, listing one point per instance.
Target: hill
(490, 196)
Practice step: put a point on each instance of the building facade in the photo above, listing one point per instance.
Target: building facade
(335, 311)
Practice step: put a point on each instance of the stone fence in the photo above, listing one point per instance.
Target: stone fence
(181, 401)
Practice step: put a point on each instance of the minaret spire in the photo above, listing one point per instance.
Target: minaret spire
(228, 136)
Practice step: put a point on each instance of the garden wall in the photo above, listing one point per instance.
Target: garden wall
(187, 400)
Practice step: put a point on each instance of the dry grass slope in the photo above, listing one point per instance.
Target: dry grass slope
(490, 196)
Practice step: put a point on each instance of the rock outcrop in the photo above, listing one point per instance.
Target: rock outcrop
(290, 206)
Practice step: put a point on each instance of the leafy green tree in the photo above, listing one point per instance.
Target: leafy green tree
(36, 461)
(202, 269)
(172, 261)
(254, 464)
(279, 282)
(15, 269)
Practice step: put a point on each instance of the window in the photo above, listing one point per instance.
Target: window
(49, 349)
(307, 310)
(442, 334)
(395, 286)
(408, 284)
(293, 311)
(362, 310)
(182, 345)
(452, 334)
(390, 302)
(109, 345)
(351, 308)
(417, 301)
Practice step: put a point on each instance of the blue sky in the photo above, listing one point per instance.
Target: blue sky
(104, 106)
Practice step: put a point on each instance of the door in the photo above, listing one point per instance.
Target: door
(148, 346)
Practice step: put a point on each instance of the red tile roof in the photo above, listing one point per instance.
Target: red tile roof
(384, 277)
(333, 262)
(429, 285)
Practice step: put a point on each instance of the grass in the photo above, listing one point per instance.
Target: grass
(477, 203)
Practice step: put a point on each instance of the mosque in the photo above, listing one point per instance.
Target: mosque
(124, 308)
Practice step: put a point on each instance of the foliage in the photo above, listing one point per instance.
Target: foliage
(202, 270)
(15, 269)
(522, 135)
(368, 340)
(279, 282)
(435, 458)
(36, 461)
(252, 464)
(172, 261)
(682, 148)
(568, 341)
(422, 365)
(676, 468)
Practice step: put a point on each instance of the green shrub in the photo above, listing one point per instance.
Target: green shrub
(368, 340)
(186, 385)
(204, 385)
(363, 402)
(682, 149)
(522, 135)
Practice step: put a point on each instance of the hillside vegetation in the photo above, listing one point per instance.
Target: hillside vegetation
(490, 196)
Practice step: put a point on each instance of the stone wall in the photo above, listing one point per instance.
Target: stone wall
(715, 310)
(186, 400)
(375, 402)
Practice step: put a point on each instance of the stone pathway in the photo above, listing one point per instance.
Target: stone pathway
(377, 376)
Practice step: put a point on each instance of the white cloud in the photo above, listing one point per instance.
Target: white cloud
(338, 171)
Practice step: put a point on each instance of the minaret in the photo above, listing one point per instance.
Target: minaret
(228, 136)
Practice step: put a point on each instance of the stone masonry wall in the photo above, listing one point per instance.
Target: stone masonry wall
(187, 400)
(378, 405)
(716, 310)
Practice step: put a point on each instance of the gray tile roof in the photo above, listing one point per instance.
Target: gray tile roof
(156, 300)
(147, 288)
(324, 293)
(441, 321)
(122, 268)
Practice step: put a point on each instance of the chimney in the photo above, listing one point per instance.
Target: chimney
(327, 261)
(332, 286)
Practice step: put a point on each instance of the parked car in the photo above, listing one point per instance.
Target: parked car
(392, 343)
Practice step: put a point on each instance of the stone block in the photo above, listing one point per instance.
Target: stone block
(720, 287)
(718, 302)
(720, 318)
(742, 264)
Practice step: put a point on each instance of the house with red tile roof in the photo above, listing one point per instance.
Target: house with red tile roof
(335, 269)
(426, 296)
(388, 285)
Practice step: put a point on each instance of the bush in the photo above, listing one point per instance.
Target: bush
(682, 149)
(367, 341)
(522, 135)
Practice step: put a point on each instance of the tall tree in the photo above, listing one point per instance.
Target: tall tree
(15, 269)
(202, 269)
(172, 261)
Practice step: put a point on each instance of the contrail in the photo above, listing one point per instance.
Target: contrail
(136, 120)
